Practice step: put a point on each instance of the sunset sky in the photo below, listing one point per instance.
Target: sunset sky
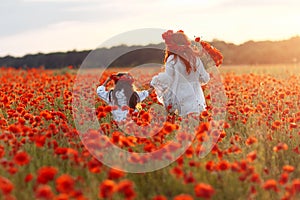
(31, 26)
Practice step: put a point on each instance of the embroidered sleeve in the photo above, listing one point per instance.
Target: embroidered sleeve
(102, 93)
(161, 84)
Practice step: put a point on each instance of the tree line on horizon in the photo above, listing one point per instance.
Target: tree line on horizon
(248, 53)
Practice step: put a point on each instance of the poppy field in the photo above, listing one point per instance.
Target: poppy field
(256, 155)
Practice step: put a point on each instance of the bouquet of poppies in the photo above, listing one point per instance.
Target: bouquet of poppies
(210, 56)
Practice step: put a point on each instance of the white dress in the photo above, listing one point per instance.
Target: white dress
(119, 114)
(180, 90)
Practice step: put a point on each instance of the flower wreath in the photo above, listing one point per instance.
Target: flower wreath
(123, 76)
(172, 46)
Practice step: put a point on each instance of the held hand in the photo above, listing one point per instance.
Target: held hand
(150, 89)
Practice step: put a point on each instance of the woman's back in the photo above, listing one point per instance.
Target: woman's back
(184, 92)
(199, 75)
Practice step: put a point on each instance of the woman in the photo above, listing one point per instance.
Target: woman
(179, 86)
(123, 95)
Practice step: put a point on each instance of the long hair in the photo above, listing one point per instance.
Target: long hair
(132, 98)
(178, 44)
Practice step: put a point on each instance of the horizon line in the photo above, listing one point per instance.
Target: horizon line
(132, 45)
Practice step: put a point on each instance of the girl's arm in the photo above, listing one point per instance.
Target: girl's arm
(143, 94)
(102, 92)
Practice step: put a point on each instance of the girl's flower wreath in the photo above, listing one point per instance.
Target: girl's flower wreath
(123, 76)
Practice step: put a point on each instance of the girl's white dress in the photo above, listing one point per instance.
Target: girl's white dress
(180, 90)
(119, 114)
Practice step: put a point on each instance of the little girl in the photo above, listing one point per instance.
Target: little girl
(123, 95)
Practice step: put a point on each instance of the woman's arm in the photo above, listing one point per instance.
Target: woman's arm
(203, 74)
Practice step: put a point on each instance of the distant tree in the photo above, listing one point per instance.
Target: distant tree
(251, 52)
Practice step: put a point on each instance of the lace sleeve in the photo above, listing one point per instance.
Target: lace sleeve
(203, 74)
(161, 84)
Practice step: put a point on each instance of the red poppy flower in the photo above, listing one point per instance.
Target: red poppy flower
(189, 178)
(293, 125)
(284, 177)
(107, 189)
(276, 125)
(107, 109)
(46, 174)
(14, 128)
(44, 192)
(280, 146)
(126, 188)
(12, 170)
(115, 174)
(28, 178)
(2, 151)
(40, 140)
(223, 165)
(189, 152)
(253, 190)
(159, 197)
(288, 168)
(296, 185)
(65, 183)
(94, 166)
(203, 190)
(169, 127)
(271, 184)
(255, 178)
(61, 150)
(46, 114)
(63, 196)
(251, 140)
(183, 197)
(251, 156)
(146, 117)
(210, 166)
(21, 158)
(203, 127)
(5, 185)
(177, 171)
